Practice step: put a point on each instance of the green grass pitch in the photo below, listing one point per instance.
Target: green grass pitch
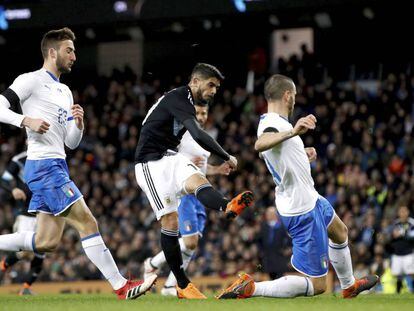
(156, 302)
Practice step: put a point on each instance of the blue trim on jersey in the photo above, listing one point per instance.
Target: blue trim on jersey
(90, 236)
(70, 118)
(284, 118)
(53, 76)
(275, 175)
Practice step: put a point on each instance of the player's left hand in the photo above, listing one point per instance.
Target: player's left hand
(224, 169)
(77, 113)
(18, 194)
(311, 153)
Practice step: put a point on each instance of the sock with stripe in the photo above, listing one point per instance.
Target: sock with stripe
(285, 287)
(186, 254)
(101, 257)
(340, 258)
(18, 241)
(211, 198)
(172, 252)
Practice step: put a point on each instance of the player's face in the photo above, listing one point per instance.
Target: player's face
(403, 213)
(201, 114)
(207, 89)
(65, 56)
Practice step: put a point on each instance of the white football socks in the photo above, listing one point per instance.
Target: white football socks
(18, 241)
(285, 287)
(340, 258)
(101, 257)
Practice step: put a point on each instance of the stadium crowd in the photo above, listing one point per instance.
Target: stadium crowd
(365, 145)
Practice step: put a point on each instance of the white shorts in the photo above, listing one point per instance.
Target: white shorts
(24, 223)
(163, 181)
(402, 265)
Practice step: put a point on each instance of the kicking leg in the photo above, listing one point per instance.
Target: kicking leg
(212, 199)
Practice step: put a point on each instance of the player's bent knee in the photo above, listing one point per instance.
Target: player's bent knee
(191, 244)
(319, 286)
(46, 246)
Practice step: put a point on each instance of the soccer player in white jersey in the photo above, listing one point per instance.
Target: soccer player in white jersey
(317, 232)
(52, 121)
(191, 213)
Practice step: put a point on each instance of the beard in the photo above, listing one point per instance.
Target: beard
(202, 101)
(60, 65)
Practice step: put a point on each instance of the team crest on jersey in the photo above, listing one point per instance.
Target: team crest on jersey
(167, 200)
(69, 192)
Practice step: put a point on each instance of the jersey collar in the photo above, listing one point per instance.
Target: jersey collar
(52, 76)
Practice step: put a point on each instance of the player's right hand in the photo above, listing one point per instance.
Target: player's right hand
(232, 161)
(304, 124)
(36, 125)
(18, 194)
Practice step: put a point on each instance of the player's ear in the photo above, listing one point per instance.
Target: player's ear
(52, 52)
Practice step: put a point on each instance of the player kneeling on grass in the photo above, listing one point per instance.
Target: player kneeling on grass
(317, 232)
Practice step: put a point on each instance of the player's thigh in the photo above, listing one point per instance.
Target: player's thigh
(337, 231)
(157, 179)
(49, 230)
(187, 216)
(397, 265)
(409, 264)
(80, 217)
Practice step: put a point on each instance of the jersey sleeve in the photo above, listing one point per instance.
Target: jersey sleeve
(181, 108)
(269, 123)
(23, 86)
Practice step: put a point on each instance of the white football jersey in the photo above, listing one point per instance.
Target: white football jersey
(42, 96)
(290, 168)
(190, 149)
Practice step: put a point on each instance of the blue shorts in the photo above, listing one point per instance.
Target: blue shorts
(53, 191)
(309, 233)
(191, 216)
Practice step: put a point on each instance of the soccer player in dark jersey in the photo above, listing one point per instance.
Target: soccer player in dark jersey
(12, 181)
(165, 175)
(402, 244)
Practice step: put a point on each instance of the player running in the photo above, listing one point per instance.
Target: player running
(166, 175)
(191, 213)
(52, 121)
(309, 218)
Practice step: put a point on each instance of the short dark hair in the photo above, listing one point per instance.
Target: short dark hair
(52, 38)
(276, 86)
(207, 71)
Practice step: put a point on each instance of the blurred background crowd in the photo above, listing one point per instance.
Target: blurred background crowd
(364, 140)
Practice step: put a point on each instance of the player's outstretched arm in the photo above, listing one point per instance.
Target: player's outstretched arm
(205, 140)
(268, 140)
